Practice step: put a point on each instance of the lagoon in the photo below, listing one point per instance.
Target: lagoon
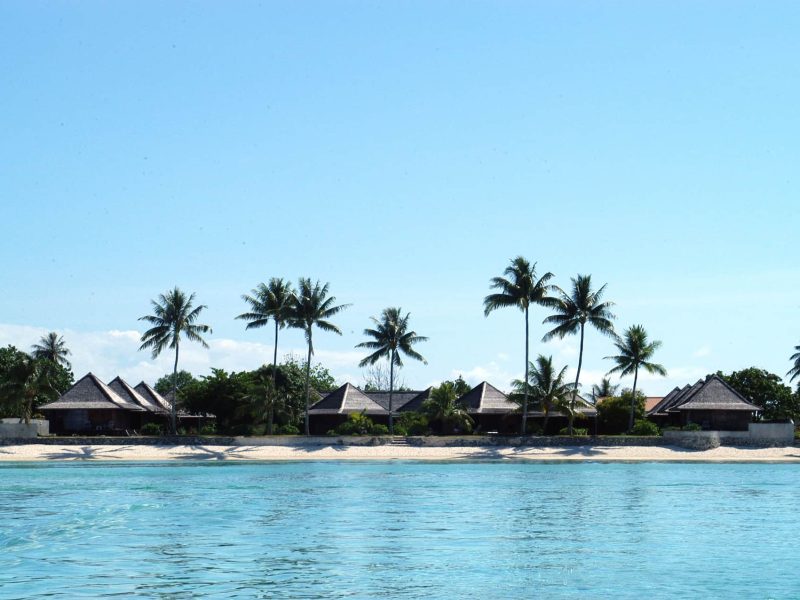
(399, 530)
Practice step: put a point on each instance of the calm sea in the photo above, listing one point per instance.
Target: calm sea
(399, 530)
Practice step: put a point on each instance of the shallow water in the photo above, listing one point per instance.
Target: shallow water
(399, 530)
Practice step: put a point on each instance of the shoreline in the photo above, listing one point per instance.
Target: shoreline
(266, 453)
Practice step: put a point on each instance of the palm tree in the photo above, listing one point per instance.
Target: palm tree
(442, 407)
(520, 288)
(273, 301)
(390, 338)
(312, 306)
(52, 347)
(795, 370)
(635, 351)
(605, 389)
(573, 312)
(26, 383)
(174, 314)
(548, 388)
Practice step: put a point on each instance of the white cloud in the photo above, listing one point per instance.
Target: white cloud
(701, 352)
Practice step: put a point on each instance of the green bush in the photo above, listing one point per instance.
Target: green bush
(532, 428)
(692, 427)
(644, 427)
(151, 429)
(361, 424)
(208, 429)
(287, 429)
(575, 431)
(411, 423)
(614, 413)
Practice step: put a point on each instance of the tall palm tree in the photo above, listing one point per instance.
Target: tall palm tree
(573, 312)
(635, 351)
(390, 338)
(174, 314)
(520, 287)
(27, 383)
(605, 389)
(795, 370)
(52, 347)
(273, 301)
(548, 388)
(312, 306)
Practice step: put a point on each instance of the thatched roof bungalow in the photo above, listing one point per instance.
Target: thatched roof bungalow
(710, 403)
(90, 406)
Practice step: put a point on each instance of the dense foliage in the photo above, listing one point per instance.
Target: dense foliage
(360, 424)
(27, 382)
(613, 413)
(766, 390)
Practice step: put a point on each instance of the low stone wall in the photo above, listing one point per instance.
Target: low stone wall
(124, 441)
(774, 434)
(757, 435)
(9, 427)
(449, 441)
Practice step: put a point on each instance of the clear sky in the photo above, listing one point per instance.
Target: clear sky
(404, 152)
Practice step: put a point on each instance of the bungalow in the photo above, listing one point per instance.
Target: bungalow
(710, 403)
(90, 406)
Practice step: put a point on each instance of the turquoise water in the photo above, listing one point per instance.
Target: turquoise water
(399, 530)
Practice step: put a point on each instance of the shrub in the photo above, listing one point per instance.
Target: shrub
(287, 429)
(208, 429)
(613, 414)
(379, 429)
(411, 423)
(532, 428)
(151, 429)
(575, 431)
(644, 427)
(361, 424)
(692, 427)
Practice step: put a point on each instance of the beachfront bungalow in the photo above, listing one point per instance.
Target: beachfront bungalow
(92, 407)
(710, 403)
(154, 412)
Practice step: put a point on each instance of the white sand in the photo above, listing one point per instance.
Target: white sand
(41, 452)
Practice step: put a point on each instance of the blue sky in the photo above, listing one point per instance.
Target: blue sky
(404, 152)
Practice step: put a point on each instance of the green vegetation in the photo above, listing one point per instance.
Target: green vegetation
(644, 427)
(546, 387)
(605, 390)
(794, 372)
(445, 414)
(270, 302)
(766, 390)
(613, 412)
(360, 424)
(391, 338)
(312, 306)
(573, 431)
(520, 288)
(151, 429)
(573, 312)
(635, 351)
(52, 347)
(27, 382)
(412, 423)
(173, 315)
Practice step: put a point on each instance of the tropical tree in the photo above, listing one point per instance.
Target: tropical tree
(312, 306)
(52, 347)
(605, 389)
(442, 407)
(26, 383)
(546, 385)
(795, 370)
(174, 314)
(573, 312)
(635, 352)
(391, 338)
(270, 302)
(520, 287)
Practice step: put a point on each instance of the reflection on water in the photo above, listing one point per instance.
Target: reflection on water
(399, 530)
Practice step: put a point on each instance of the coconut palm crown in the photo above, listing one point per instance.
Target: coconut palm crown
(174, 315)
(794, 372)
(582, 306)
(520, 287)
(390, 339)
(548, 386)
(605, 389)
(635, 352)
(270, 302)
(312, 306)
(52, 347)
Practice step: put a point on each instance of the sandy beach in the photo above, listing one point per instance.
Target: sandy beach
(42, 452)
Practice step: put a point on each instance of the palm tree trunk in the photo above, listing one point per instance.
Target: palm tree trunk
(577, 380)
(546, 417)
(308, 376)
(633, 397)
(173, 408)
(391, 388)
(524, 429)
(271, 415)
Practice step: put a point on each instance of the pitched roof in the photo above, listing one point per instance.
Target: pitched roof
(582, 405)
(345, 400)
(129, 394)
(91, 393)
(650, 402)
(152, 396)
(716, 394)
(399, 399)
(673, 399)
(485, 398)
(415, 404)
